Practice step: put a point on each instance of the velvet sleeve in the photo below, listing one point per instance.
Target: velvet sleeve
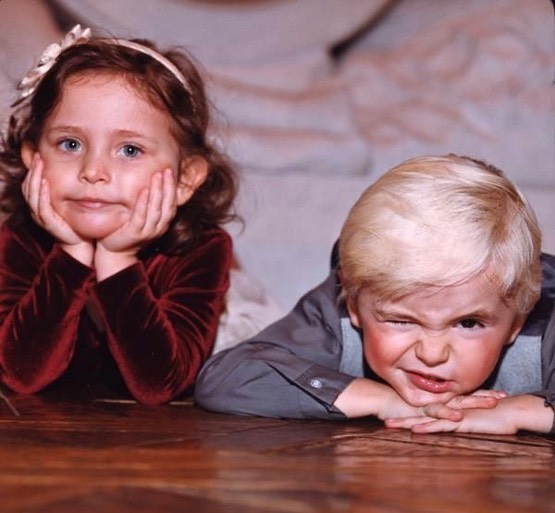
(162, 316)
(42, 293)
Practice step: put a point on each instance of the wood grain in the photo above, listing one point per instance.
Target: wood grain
(96, 454)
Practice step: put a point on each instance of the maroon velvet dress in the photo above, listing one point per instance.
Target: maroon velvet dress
(145, 330)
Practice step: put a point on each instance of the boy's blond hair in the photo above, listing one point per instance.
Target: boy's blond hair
(440, 221)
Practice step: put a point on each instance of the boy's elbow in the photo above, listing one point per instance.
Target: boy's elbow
(208, 394)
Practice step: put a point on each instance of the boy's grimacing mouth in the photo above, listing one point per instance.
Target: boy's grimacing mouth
(429, 382)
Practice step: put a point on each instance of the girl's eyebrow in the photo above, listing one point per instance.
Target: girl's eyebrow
(132, 133)
(63, 128)
(119, 132)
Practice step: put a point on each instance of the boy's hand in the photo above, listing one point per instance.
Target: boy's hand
(510, 415)
(36, 192)
(480, 399)
(151, 217)
(364, 397)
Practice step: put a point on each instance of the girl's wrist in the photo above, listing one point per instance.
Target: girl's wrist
(108, 263)
(83, 252)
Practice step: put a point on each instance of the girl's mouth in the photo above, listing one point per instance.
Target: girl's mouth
(92, 203)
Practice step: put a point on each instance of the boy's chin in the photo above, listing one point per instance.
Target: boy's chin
(422, 398)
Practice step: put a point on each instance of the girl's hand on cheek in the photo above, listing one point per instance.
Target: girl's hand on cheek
(154, 211)
(36, 191)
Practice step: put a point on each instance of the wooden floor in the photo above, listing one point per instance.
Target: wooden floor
(74, 455)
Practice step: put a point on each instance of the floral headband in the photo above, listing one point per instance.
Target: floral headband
(77, 35)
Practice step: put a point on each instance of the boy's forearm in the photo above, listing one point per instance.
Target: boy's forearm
(364, 397)
(529, 413)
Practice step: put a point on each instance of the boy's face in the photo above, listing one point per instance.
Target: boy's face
(437, 343)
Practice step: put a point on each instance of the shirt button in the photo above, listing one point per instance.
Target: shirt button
(315, 383)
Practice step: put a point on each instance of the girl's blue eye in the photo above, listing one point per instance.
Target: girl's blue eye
(130, 151)
(70, 145)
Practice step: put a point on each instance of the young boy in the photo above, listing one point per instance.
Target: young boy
(435, 293)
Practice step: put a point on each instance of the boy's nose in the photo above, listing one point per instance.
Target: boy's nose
(432, 349)
(94, 170)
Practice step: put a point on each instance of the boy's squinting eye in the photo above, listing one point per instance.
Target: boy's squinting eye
(130, 151)
(69, 145)
(470, 323)
(401, 323)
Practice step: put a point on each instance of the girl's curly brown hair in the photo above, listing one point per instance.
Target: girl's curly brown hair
(211, 204)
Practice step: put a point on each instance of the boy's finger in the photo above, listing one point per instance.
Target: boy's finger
(474, 401)
(406, 422)
(442, 411)
(490, 393)
(435, 426)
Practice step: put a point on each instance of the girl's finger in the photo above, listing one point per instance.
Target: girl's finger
(154, 204)
(169, 199)
(44, 205)
(33, 185)
(138, 219)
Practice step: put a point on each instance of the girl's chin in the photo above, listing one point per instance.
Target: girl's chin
(95, 225)
(92, 233)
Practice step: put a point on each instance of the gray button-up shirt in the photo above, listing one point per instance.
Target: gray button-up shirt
(297, 367)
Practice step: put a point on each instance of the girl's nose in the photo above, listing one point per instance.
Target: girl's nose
(432, 349)
(94, 170)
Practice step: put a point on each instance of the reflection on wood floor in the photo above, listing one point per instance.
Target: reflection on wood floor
(67, 455)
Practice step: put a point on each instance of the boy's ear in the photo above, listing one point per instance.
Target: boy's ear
(517, 326)
(192, 174)
(27, 153)
(353, 311)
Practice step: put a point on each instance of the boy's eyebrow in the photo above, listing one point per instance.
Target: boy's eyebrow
(400, 312)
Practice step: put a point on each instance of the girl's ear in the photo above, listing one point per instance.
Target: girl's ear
(27, 153)
(192, 174)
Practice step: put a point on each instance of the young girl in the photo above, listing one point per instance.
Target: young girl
(113, 265)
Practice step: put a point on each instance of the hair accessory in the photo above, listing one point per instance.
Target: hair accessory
(33, 77)
(77, 35)
(158, 57)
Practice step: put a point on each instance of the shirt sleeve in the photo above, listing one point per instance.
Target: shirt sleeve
(548, 367)
(289, 370)
(162, 316)
(42, 293)
(546, 305)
